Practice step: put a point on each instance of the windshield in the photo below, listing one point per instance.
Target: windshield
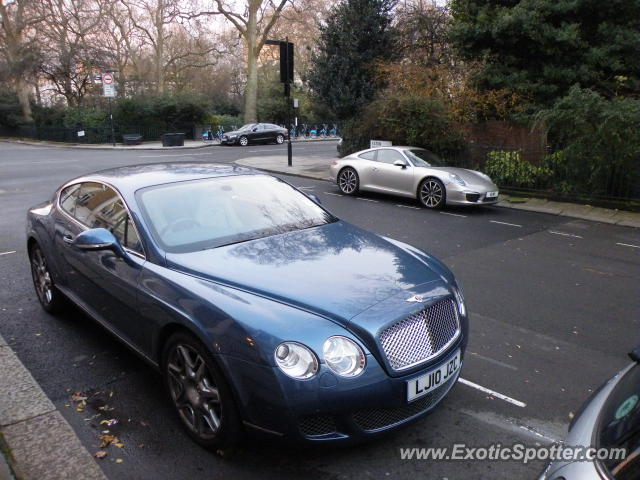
(620, 426)
(423, 158)
(201, 214)
(248, 126)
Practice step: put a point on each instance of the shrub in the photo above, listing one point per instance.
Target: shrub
(406, 119)
(508, 169)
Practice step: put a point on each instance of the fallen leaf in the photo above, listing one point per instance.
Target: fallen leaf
(110, 422)
(105, 408)
(119, 460)
(119, 444)
(100, 454)
(107, 440)
(78, 397)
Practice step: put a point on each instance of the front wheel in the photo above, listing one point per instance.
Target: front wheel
(280, 139)
(431, 193)
(348, 181)
(50, 298)
(200, 393)
(244, 141)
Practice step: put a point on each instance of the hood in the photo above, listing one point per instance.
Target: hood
(471, 177)
(335, 270)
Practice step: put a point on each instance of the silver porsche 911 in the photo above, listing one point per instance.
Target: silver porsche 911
(412, 172)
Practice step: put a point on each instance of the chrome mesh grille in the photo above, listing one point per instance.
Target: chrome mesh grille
(376, 418)
(314, 425)
(421, 336)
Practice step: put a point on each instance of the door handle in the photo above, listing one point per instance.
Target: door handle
(67, 239)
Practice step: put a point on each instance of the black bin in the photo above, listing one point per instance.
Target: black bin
(173, 140)
(131, 139)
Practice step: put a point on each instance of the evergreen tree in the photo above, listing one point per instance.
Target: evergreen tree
(357, 33)
(540, 48)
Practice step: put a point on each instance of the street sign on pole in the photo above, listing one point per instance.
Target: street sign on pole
(107, 78)
(108, 90)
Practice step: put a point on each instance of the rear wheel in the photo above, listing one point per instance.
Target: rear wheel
(48, 295)
(280, 139)
(200, 393)
(348, 181)
(244, 141)
(431, 193)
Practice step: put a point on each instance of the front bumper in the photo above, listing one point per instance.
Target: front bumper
(329, 408)
(470, 196)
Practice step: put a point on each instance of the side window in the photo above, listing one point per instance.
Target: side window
(68, 198)
(387, 155)
(99, 206)
(368, 155)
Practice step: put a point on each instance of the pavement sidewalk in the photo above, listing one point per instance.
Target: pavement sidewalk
(36, 442)
(318, 168)
(188, 144)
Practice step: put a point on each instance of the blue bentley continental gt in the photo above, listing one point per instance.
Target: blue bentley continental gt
(262, 310)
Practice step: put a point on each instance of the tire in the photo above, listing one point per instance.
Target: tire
(49, 296)
(348, 181)
(432, 194)
(280, 139)
(199, 393)
(244, 141)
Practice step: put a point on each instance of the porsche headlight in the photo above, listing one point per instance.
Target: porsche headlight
(455, 178)
(343, 356)
(457, 291)
(296, 360)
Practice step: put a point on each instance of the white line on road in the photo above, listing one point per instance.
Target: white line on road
(7, 253)
(494, 361)
(171, 155)
(510, 400)
(628, 245)
(408, 206)
(306, 188)
(368, 200)
(505, 223)
(263, 150)
(565, 234)
(334, 194)
(453, 214)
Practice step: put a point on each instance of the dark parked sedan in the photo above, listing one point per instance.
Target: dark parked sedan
(261, 309)
(255, 133)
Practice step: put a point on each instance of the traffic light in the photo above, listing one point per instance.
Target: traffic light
(286, 62)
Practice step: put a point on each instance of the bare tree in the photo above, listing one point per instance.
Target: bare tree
(253, 25)
(18, 22)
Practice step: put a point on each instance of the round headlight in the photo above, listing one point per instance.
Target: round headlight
(296, 360)
(343, 356)
(456, 178)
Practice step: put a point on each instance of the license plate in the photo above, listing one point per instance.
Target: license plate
(491, 195)
(433, 378)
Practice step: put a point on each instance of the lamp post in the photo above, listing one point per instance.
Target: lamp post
(286, 77)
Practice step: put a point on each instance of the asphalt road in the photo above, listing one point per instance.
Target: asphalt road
(554, 302)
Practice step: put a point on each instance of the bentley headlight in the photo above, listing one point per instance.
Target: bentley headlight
(457, 291)
(455, 178)
(296, 360)
(343, 356)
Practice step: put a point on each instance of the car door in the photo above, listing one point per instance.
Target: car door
(364, 166)
(103, 280)
(391, 178)
(258, 133)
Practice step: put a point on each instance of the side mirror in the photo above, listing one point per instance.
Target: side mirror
(96, 239)
(255, 129)
(400, 163)
(314, 198)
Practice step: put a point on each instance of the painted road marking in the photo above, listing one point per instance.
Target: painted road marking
(628, 245)
(368, 200)
(171, 155)
(408, 206)
(565, 234)
(505, 223)
(334, 194)
(494, 361)
(493, 393)
(7, 253)
(453, 214)
(306, 188)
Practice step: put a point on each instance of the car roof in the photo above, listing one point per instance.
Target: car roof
(130, 178)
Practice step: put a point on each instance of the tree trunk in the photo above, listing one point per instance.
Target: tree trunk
(251, 91)
(22, 91)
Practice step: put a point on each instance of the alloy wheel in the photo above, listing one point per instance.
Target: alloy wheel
(279, 139)
(41, 277)
(244, 141)
(193, 391)
(348, 181)
(432, 194)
